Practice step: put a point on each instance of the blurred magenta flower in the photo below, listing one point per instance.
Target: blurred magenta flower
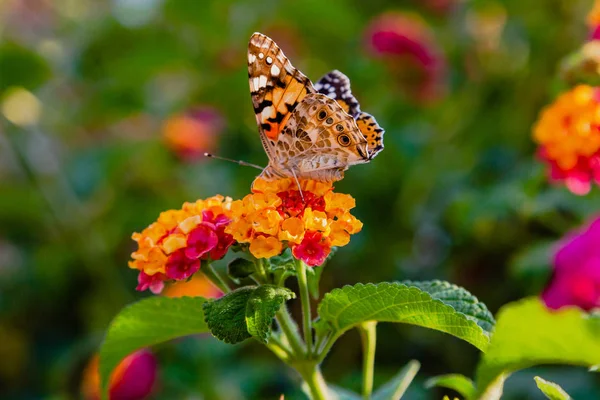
(593, 21)
(568, 132)
(194, 132)
(406, 43)
(133, 379)
(576, 278)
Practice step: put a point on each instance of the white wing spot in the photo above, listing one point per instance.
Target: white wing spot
(275, 70)
(262, 81)
(255, 84)
(261, 55)
(251, 58)
(269, 60)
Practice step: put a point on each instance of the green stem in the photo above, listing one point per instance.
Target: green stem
(328, 345)
(368, 336)
(314, 380)
(305, 300)
(289, 329)
(215, 278)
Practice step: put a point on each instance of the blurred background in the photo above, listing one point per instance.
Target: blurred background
(107, 106)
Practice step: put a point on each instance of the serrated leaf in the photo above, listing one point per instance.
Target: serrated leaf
(349, 306)
(394, 389)
(457, 382)
(527, 334)
(551, 390)
(148, 322)
(262, 305)
(245, 312)
(460, 299)
(226, 317)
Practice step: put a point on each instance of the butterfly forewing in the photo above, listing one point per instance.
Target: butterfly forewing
(275, 85)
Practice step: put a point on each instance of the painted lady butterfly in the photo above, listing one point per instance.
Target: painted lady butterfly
(314, 132)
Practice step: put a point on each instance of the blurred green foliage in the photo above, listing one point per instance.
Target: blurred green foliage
(457, 194)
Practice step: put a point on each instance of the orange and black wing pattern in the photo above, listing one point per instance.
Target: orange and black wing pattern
(276, 88)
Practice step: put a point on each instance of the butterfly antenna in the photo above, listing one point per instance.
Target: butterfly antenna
(239, 162)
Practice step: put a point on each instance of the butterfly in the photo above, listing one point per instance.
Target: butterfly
(308, 131)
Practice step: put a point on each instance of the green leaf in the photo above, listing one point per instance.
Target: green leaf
(528, 334)
(240, 268)
(262, 305)
(457, 382)
(339, 393)
(551, 390)
(395, 388)
(283, 261)
(455, 311)
(245, 312)
(461, 300)
(148, 322)
(226, 317)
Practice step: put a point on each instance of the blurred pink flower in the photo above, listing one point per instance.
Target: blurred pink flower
(133, 379)
(576, 278)
(194, 132)
(593, 21)
(407, 45)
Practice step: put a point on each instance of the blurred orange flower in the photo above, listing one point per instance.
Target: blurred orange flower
(568, 132)
(194, 132)
(132, 379)
(198, 285)
(172, 247)
(276, 215)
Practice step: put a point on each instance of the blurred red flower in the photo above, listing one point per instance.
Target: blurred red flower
(407, 45)
(133, 379)
(194, 132)
(576, 277)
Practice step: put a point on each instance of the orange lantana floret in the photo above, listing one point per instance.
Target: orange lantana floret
(277, 215)
(172, 247)
(568, 132)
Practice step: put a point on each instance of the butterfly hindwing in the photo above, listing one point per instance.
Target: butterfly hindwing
(372, 132)
(276, 87)
(336, 85)
(320, 139)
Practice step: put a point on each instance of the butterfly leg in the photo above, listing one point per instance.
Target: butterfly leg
(297, 183)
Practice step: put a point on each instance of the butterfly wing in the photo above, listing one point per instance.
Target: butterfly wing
(336, 85)
(372, 132)
(320, 140)
(276, 88)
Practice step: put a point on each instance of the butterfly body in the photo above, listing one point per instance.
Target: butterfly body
(308, 131)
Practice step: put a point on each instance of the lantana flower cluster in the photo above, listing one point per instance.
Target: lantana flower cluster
(277, 214)
(171, 248)
(568, 132)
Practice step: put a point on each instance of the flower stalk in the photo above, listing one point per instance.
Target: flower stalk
(368, 337)
(305, 300)
(214, 277)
